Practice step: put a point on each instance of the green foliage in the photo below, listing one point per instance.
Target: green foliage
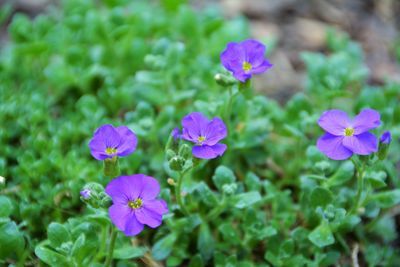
(272, 200)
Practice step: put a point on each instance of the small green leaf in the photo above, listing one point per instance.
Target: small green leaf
(342, 175)
(196, 261)
(11, 240)
(51, 257)
(129, 252)
(205, 242)
(223, 175)
(163, 247)
(243, 200)
(387, 199)
(320, 197)
(6, 206)
(322, 236)
(57, 234)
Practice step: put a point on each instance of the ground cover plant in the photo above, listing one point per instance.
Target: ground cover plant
(131, 135)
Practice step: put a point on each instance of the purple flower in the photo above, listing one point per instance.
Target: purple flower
(109, 142)
(345, 137)
(386, 138)
(135, 203)
(85, 193)
(205, 134)
(176, 133)
(245, 59)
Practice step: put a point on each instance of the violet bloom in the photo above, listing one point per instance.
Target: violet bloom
(135, 203)
(245, 59)
(205, 134)
(109, 142)
(386, 138)
(85, 193)
(345, 137)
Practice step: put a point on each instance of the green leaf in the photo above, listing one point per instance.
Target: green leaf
(6, 206)
(320, 197)
(342, 175)
(223, 175)
(51, 257)
(163, 247)
(376, 179)
(129, 252)
(57, 234)
(11, 240)
(322, 236)
(387, 199)
(196, 261)
(205, 242)
(244, 200)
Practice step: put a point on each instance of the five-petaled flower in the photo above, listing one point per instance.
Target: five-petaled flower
(135, 203)
(386, 138)
(109, 142)
(245, 59)
(205, 134)
(345, 137)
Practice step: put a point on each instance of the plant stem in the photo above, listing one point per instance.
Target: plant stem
(217, 210)
(360, 185)
(178, 193)
(111, 247)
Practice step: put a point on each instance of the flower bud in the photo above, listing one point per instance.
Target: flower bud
(176, 163)
(229, 189)
(185, 151)
(384, 143)
(224, 80)
(170, 154)
(171, 181)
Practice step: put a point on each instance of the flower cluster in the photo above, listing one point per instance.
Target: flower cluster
(204, 133)
(345, 137)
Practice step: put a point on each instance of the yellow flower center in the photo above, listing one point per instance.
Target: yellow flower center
(246, 66)
(110, 151)
(201, 139)
(348, 131)
(137, 203)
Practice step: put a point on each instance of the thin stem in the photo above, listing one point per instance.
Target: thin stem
(111, 247)
(360, 185)
(178, 193)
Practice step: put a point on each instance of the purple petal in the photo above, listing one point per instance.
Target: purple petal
(105, 137)
(125, 188)
(254, 52)
(241, 75)
(366, 120)
(148, 217)
(194, 125)
(150, 189)
(386, 138)
(119, 215)
(208, 152)
(333, 148)
(334, 121)
(157, 205)
(176, 133)
(128, 141)
(262, 68)
(362, 144)
(133, 226)
(232, 57)
(215, 131)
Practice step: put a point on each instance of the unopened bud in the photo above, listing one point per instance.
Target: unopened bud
(224, 80)
(384, 143)
(176, 163)
(185, 151)
(171, 181)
